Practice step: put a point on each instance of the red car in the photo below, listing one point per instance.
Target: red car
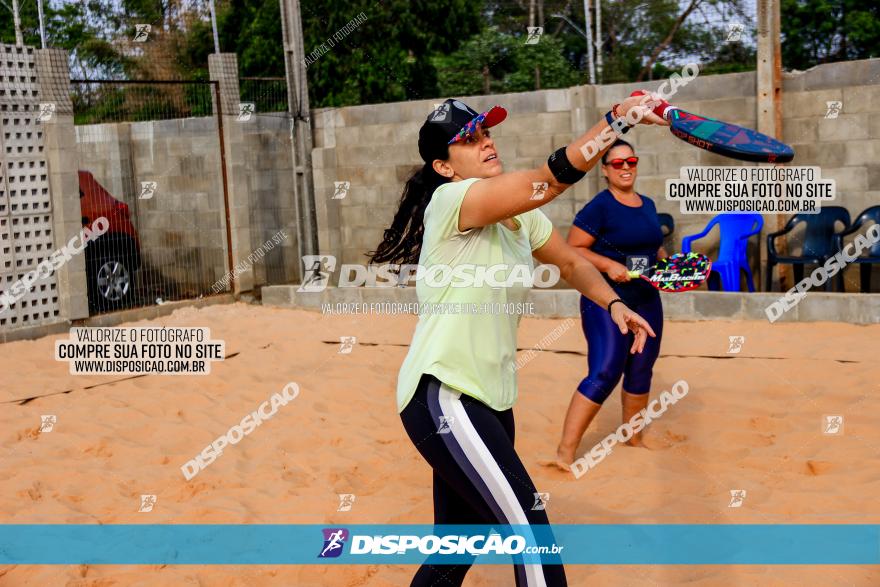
(113, 258)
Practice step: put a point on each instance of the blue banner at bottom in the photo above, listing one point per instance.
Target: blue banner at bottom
(300, 544)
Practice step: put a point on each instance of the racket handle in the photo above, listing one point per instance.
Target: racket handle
(663, 110)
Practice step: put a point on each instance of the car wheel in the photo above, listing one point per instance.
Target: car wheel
(111, 283)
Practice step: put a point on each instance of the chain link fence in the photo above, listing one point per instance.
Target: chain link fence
(150, 156)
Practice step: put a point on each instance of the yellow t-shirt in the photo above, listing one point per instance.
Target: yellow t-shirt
(473, 353)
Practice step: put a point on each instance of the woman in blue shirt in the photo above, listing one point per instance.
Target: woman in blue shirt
(616, 231)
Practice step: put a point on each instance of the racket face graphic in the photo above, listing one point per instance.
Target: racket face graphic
(679, 272)
(728, 139)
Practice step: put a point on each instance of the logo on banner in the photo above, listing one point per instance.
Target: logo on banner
(334, 540)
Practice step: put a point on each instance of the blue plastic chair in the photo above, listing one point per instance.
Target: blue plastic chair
(864, 261)
(819, 243)
(732, 255)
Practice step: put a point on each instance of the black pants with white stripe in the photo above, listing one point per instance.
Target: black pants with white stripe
(478, 477)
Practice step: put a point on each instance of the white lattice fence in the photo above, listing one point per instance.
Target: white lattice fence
(26, 223)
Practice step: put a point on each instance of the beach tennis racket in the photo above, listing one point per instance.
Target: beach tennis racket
(677, 273)
(724, 138)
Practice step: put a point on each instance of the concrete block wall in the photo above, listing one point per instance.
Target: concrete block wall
(39, 204)
(550, 303)
(223, 68)
(185, 219)
(181, 228)
(268, 160)
(375, 148)
(846, 147)
(59, 141)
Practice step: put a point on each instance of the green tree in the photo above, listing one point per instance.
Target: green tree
(29, 23)
(69, 26)
(250, 29)
(389, 56)
(493, 62)
(732, 57)
(674, 33)
(541, 66)
(821, 31)
(424, 49)
(479, 66)
(386, 58)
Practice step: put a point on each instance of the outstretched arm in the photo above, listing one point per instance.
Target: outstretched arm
(584, 277)
(496, 198)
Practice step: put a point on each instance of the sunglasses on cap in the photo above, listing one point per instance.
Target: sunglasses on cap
(470, 139)
(618, 163)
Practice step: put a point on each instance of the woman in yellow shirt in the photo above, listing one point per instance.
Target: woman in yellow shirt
(472, 229)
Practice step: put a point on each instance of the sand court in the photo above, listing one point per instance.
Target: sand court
(753, 420)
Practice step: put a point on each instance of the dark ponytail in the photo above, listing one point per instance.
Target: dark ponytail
(402, 241)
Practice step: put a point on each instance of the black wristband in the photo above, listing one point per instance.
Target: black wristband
(618, 125)
(612, 302)
(562, 169)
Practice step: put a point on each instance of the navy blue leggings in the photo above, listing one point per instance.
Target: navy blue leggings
(478, 477)
(608, 356)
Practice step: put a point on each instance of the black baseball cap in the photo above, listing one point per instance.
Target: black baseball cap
(454, 120)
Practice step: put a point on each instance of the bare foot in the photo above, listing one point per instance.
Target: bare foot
(635, 441)
(555, 464)
(648, 441)
(564, 458)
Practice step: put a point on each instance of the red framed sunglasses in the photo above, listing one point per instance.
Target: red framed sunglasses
(618, 163)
